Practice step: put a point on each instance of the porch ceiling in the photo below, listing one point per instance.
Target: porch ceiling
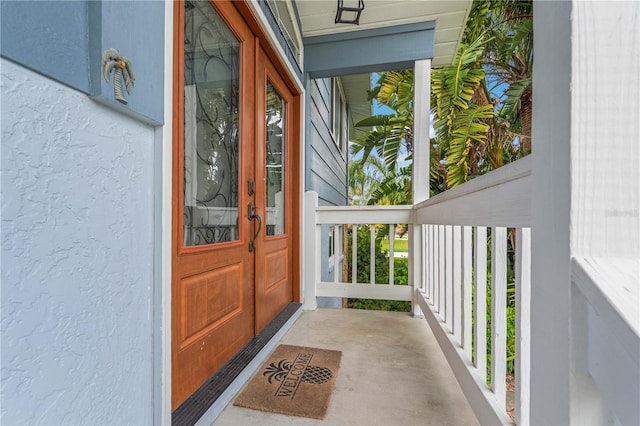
(317, 18)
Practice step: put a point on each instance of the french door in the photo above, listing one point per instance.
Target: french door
(274, 288)
(232, 183)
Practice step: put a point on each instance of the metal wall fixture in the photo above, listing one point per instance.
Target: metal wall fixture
(349, 11)
(123, 74)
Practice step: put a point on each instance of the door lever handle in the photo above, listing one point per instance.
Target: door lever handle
(254, 216)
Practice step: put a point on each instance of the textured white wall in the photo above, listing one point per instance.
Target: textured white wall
(77, 257)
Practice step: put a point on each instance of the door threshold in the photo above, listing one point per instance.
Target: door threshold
(206, 404)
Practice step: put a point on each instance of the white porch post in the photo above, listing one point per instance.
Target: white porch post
(420, 177)
(584, 212)
(550, 212)
(421, 113)
(310, 253)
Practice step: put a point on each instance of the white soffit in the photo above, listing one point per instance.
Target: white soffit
(355, 91)
(317, 18)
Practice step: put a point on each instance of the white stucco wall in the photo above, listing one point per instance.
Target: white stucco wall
(77, 257)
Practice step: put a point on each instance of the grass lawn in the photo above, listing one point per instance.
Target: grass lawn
(400, 245)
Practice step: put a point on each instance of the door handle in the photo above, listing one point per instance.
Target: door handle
(254, 216)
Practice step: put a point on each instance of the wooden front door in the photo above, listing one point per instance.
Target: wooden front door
(274, 246)
(232, 210)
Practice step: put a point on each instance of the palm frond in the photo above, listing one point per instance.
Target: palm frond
(394, 189)
(392, 83)
(514, 95)
(468, 129)
(368, 143)
(376, 120)
(391, 147)
(521, 33)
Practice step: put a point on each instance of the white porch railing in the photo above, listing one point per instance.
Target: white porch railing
(457, 227)
(448, 237)
(454, 237)
(352, 218)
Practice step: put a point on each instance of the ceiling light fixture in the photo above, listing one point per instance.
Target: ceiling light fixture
(349, 11)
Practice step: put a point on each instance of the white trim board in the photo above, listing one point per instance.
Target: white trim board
(163, 219)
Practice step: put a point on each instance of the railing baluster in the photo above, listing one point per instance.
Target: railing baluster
(457, 285)
(354, 254)
(318, 272)
(392, 238)
(523, 324)
(441, 269)
(466, 290)
(435, 269)
(430, 263)
(480, 296)
(499, 313)
(336, 255)
(448, 277)
(434, 264)
(425, 258)
(372, 253)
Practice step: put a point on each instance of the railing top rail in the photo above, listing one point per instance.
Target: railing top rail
(365, 209)
(499, 198)
(508, 173)
(364, 214)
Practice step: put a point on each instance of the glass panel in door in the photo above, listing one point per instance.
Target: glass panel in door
(211, 127)
(275, 161)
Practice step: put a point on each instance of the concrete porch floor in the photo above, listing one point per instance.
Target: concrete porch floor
(392, 373)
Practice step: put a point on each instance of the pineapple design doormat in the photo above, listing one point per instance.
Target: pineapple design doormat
(295, 380)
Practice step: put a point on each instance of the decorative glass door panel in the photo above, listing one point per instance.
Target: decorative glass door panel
(211, 127)
(274, 194)
(275, 161)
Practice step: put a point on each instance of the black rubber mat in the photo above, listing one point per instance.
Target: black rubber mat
(193, 408)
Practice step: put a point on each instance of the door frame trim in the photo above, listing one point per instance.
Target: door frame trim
(163, 203)
(163, 228)
(260, 26)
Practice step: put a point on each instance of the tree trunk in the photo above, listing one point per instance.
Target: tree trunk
(526, 107)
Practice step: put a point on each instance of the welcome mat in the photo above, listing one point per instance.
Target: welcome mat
(295, 380)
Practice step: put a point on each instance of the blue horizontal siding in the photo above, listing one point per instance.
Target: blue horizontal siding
(326, 167)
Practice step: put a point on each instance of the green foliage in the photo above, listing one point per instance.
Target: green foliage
(452, 86)
(364, 179)
(363, 257)
(468, 128)
(476, 133)
(380, 305)
(511, 331)
(401, 271)
(511, 323)
(391, 132)
(513, 101)
(393, 189)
